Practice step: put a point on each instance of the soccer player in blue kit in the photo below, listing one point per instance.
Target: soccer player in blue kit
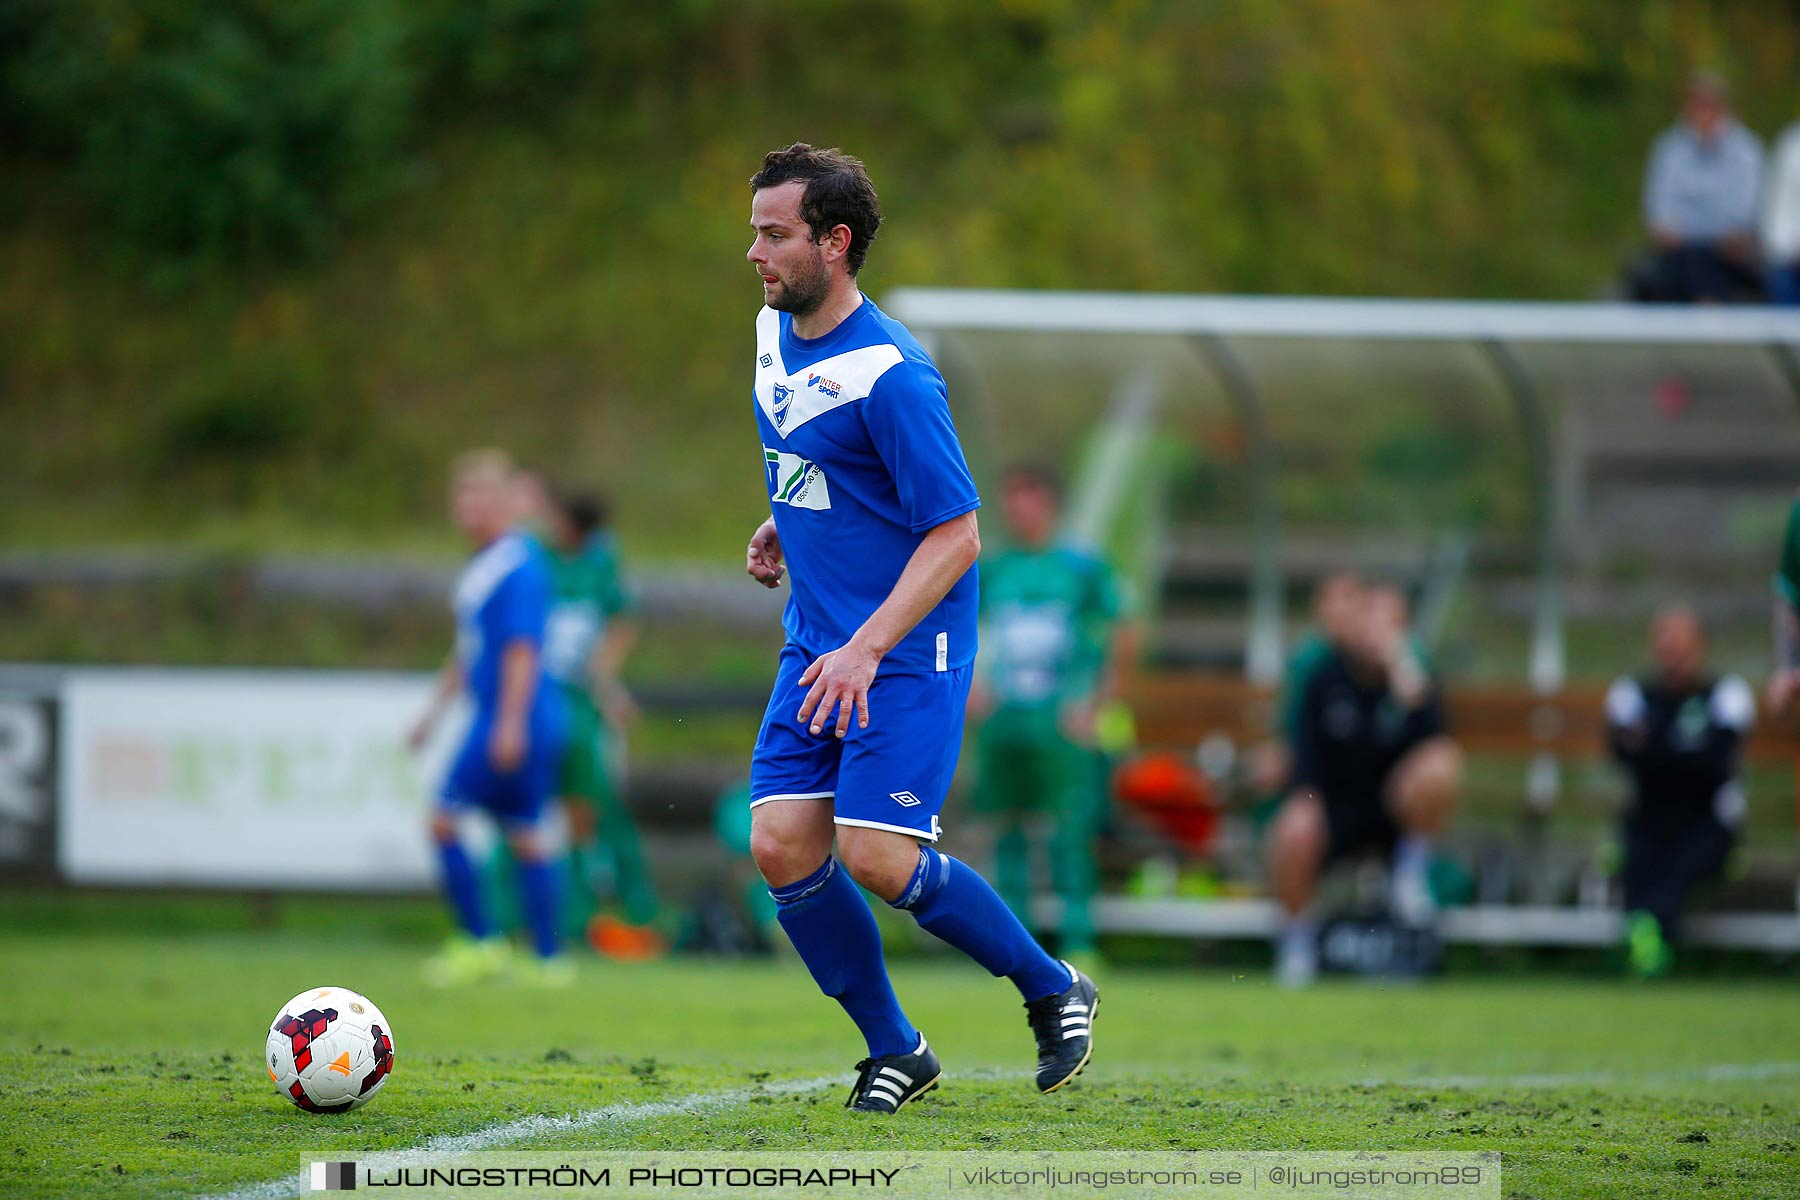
(508, 762)
(873, 523)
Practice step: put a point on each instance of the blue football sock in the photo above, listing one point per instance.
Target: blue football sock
(830, 924)
(954, 903)
(463, 888)
(537, 880)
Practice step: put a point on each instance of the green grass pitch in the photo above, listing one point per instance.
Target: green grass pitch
(130, 1066)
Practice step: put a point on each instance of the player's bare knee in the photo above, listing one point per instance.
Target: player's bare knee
(1298, 833)
(880, 861)
(443, 828)
(772, 856)
(1427, 782)
(790, 838)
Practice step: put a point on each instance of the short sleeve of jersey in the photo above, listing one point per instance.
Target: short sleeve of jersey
(613, 594)
(907, 415)
(1108, 598)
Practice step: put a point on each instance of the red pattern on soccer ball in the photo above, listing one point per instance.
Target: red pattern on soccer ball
(384, 1060)
(302, 1030)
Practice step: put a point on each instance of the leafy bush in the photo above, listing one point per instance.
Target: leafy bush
(236, 132)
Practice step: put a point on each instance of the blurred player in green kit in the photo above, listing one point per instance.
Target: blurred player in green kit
(590, 631)
(1054, 645)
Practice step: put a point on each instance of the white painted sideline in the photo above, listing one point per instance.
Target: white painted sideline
(494, 1136)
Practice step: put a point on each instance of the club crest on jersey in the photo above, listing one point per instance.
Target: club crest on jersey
(784, 396)
(830, 387)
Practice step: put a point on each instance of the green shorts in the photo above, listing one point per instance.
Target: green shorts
(585, 773)
(1026, 765)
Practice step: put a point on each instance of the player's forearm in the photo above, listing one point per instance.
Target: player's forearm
(1121, 653)
(444, 688)
(944, 557)
(609, 656)
(518, 681)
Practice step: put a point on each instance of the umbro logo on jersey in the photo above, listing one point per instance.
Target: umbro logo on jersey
(904, 799)
(767, 360)
(830, 387)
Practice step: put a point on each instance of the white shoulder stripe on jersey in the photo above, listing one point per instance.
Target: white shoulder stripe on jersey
(1625, 702)
(790, 401)
(487, 570)
(837, 381)
(768, 334)
(1733, 703)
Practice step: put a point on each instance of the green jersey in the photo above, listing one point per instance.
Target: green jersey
(590, 593)
(1046, 618)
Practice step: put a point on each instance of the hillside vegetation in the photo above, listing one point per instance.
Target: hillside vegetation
(268, 262)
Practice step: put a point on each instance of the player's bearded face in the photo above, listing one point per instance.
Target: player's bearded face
(803, 280)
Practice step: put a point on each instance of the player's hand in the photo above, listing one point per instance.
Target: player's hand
(1781, 690)
(839, 680)
(763, 558)
(506, 746)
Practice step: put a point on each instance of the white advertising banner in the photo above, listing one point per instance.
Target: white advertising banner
(249, 779)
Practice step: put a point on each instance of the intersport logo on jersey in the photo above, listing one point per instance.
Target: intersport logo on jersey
(830, 387)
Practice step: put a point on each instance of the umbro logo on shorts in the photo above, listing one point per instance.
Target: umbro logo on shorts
(904, 799)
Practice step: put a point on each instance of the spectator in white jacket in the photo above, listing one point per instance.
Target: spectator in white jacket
(1700, 199)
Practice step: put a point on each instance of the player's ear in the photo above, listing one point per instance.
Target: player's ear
(837, 242)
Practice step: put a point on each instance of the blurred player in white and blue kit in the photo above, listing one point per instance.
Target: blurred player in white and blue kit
(507, 765)
(873, 522)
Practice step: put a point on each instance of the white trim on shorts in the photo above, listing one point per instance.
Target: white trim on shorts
(794, 796)
(906, 829)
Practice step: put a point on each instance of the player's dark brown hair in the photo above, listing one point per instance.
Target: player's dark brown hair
(587, 511)
(1039, 475)
(838, 192)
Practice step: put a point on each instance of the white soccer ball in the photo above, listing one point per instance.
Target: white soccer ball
(330, 1050)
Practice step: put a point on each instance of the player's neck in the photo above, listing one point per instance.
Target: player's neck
(844, 299)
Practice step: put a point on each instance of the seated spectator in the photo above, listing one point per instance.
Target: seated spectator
(1781, 219)
(1337, 605)
(1700, 198)
(1373, 768)
(1677, 732)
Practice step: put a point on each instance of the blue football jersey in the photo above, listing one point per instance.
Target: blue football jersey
(862, 460)
(502, 595)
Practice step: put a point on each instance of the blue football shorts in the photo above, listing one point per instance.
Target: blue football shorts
(893, 775)
(516, 798)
